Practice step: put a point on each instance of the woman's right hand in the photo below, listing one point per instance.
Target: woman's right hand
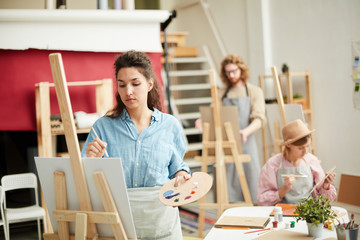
(96, 148)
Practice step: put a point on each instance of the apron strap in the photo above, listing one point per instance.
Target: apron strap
(228, 89)
(226, 93)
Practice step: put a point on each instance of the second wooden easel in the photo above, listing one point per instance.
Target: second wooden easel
(307, 107)
(220, 159)
(85, 218)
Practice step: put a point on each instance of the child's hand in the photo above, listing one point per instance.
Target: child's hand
(330, 179)
(288, 181)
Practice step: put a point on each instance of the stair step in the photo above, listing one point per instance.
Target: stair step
(188, 73)
(189, 60)
(194, 146)
(184, 87)
(187, 101)
(185, 116)
(191, 131)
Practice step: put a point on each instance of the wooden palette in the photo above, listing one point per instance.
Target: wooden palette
(190, 191)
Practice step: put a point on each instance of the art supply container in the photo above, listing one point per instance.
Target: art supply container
(292, 224)
(275, 224)
(347, 234)
(278, 214)
(287, 225)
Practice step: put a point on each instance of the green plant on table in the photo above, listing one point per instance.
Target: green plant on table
(314, 211)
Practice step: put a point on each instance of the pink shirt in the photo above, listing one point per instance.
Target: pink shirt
(268, 194)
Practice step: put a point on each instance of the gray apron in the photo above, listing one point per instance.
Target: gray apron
(252, 168)
(153, 219)
(301, 188)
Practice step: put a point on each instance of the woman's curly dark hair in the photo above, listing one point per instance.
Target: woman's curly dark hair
(142, 63)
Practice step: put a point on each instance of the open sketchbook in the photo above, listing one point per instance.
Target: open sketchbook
(242, 222)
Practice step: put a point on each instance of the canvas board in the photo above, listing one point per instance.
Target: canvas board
(227, 114)
(292, 112)
(112, 168)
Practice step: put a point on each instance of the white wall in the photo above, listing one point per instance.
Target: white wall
(308, 35)
(316, 36)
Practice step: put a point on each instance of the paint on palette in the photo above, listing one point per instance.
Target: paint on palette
(171, 196)
(167, 193)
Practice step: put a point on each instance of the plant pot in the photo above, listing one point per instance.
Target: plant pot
(315, 230)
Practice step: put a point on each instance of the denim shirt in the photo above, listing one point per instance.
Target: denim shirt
(149, 159)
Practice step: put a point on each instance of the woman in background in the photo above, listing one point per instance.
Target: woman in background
(290, 176)
(150, 144)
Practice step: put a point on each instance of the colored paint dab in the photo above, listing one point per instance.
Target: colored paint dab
(171, 196)
(176, 200)
(187, 197)
(167, 193)
(192, 192)
(195, 187)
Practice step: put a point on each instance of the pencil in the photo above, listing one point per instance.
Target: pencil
(106, 154)
(264, 232)
(265, 229)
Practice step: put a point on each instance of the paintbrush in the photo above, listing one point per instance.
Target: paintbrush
(294, 175)
(352, 221)
(106, 154)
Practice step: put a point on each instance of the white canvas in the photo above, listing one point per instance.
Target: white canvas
(114, 174)
(292, 112)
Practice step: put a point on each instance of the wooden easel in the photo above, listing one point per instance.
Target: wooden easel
(85, 218)
(220, 159)
(280, 100)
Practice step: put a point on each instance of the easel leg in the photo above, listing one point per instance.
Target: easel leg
(61, 202)
(108, 203)
(205, 154)
(81, 226)
(238, 159)
(277, 140)
(201, 216)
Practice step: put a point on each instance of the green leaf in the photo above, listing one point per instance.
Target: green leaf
(316, 210)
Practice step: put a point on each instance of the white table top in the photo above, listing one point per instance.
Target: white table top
(235, 234)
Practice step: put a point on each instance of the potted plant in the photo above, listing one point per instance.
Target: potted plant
(315, 212)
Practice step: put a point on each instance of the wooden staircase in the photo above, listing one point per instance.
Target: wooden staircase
(189, 89)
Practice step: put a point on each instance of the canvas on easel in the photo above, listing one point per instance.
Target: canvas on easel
(84, 217)
(292, 112)
(113, 171)
(227, 114)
